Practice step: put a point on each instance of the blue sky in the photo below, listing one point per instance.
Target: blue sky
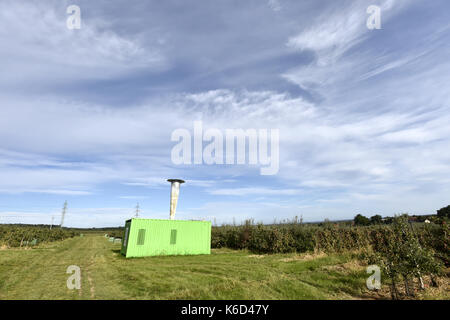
(87, 115)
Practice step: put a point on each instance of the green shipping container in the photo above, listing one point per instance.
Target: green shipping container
(154, 237)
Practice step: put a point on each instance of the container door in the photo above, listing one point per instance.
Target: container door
(125, 238)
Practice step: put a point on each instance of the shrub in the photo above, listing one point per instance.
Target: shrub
(444, 212)
(361, 220)
(21, 236)
(398, 251)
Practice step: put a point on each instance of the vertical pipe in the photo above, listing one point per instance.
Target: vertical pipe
(63, 213)
(174, 193)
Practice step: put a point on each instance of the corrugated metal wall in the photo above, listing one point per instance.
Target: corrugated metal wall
(152, 237)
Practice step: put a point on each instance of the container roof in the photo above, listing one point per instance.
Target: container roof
(168, 220)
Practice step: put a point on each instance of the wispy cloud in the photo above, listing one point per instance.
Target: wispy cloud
(254, 191)
(133, 197)
(363, 114)
(93, 52)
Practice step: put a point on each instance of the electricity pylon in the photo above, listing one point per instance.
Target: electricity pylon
(137, 210)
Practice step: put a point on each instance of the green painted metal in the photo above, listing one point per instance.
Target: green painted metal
(154, 237)
(125, 239)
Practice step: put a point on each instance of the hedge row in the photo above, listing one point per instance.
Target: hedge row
(332, 238)
(16, 236)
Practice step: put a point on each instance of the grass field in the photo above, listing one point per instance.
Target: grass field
(40, 273)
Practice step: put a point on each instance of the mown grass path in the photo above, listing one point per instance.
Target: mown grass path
(40, 273)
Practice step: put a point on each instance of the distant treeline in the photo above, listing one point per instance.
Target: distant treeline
(47, 226)
(24, 235)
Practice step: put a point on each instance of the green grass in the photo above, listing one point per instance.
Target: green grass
(40, 273)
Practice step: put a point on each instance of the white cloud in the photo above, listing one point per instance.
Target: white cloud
(75, 217)
(253, 191)
(133, 197)
(42, 45)
(331, 37)
(48, 191)
(332, 34)
(275, 5)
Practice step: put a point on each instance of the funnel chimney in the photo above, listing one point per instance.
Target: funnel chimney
(174, 192)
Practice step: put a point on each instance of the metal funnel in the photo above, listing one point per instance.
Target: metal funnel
(174, 192)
